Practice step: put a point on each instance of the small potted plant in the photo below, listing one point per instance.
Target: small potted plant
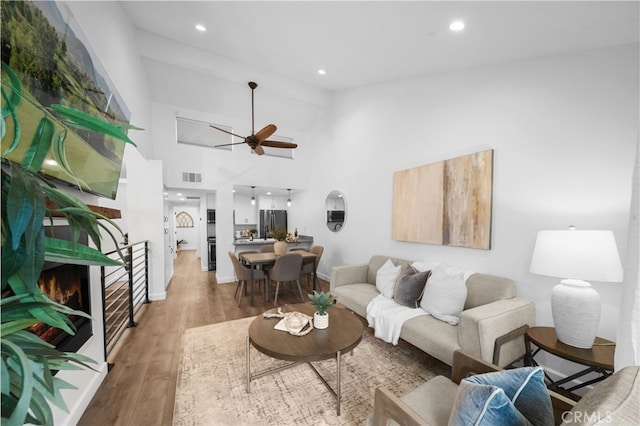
(252, 233)
(321, 301)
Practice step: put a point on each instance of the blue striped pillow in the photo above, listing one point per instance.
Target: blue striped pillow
(510, 397)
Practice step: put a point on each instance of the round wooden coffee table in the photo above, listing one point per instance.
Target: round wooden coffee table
(342, 336)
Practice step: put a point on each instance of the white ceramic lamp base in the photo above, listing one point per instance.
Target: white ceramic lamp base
(575, 307)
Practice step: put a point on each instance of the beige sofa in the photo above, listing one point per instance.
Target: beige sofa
(491, 312)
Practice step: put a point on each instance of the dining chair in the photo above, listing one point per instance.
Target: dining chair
(286, 269)
(307, 265)
(267, 248)
(243, 275)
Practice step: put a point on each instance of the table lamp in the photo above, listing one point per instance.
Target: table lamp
(576, 255)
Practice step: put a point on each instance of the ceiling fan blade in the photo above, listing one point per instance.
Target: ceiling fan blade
(266, 131)
(278, 144)
(258, 150)
(229, 144)
(226, 131)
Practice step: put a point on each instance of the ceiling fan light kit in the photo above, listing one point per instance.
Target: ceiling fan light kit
(257, 140)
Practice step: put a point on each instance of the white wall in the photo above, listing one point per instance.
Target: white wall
(563, 130)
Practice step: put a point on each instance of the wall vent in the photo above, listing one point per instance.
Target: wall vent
(191, 177)
(192, 198)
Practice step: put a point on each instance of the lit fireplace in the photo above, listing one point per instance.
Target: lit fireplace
(68, 285)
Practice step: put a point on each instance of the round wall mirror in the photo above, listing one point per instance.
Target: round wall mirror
(336, 211)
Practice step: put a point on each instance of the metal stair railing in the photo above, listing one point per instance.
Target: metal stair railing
(125, 289)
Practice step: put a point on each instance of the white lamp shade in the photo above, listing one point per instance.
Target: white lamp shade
(585, 255)
(578, 256)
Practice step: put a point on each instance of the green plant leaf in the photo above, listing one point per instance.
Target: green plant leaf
(4, 377)
(66, 252)
(40, 144)
(20, 311)
(14, 326)
(50, 315)
(17, 130)
(126, 126)
(83, 120)
(77, 213)
(12, 98)
(19, 206)
(22, 215)
(41, 409)
(19, 413)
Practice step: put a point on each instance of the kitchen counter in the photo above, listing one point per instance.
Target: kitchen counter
(244, 244)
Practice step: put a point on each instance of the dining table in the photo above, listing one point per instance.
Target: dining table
(255, 260)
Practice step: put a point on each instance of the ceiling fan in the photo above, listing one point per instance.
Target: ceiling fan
(257, 140)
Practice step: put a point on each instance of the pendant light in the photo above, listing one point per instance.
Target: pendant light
(289, 199)
(253, 197)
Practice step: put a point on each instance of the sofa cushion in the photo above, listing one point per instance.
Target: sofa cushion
(386, 278)
(409, 286)
(437, 338)
(485, 288)
(433, 400)
(517, 396)
(444, 295)
(356, 296)
(614, 401)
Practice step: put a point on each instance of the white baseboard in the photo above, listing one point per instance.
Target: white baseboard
(81, 399)
(158, 296)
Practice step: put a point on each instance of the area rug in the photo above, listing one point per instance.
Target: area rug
(211, 385)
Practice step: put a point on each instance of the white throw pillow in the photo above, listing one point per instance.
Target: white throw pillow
(444, 295)
(425, 266)
(386, 278)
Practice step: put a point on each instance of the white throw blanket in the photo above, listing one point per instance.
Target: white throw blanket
(386, 317)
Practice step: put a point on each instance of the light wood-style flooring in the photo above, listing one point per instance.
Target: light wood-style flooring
(140, 387)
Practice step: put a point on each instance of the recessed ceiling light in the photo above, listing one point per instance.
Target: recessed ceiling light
(322, 72)
(456, 26)
(201, 27)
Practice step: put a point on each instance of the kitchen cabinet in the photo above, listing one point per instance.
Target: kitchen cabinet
(245, 212)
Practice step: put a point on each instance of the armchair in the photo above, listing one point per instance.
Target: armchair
(617, 398)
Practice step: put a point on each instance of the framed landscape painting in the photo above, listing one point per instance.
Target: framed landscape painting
(52, 64)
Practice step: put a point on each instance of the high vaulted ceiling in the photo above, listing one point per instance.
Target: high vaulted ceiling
(282, 45)
(365, 42)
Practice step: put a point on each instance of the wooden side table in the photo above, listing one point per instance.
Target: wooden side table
(598, 359)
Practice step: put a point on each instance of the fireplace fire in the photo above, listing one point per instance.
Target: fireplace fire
(67, 284)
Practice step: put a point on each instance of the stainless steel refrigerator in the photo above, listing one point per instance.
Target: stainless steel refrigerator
(270, 220)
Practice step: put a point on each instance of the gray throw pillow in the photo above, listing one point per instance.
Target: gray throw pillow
(410, 286)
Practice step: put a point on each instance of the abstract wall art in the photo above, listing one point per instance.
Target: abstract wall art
(445, 203)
